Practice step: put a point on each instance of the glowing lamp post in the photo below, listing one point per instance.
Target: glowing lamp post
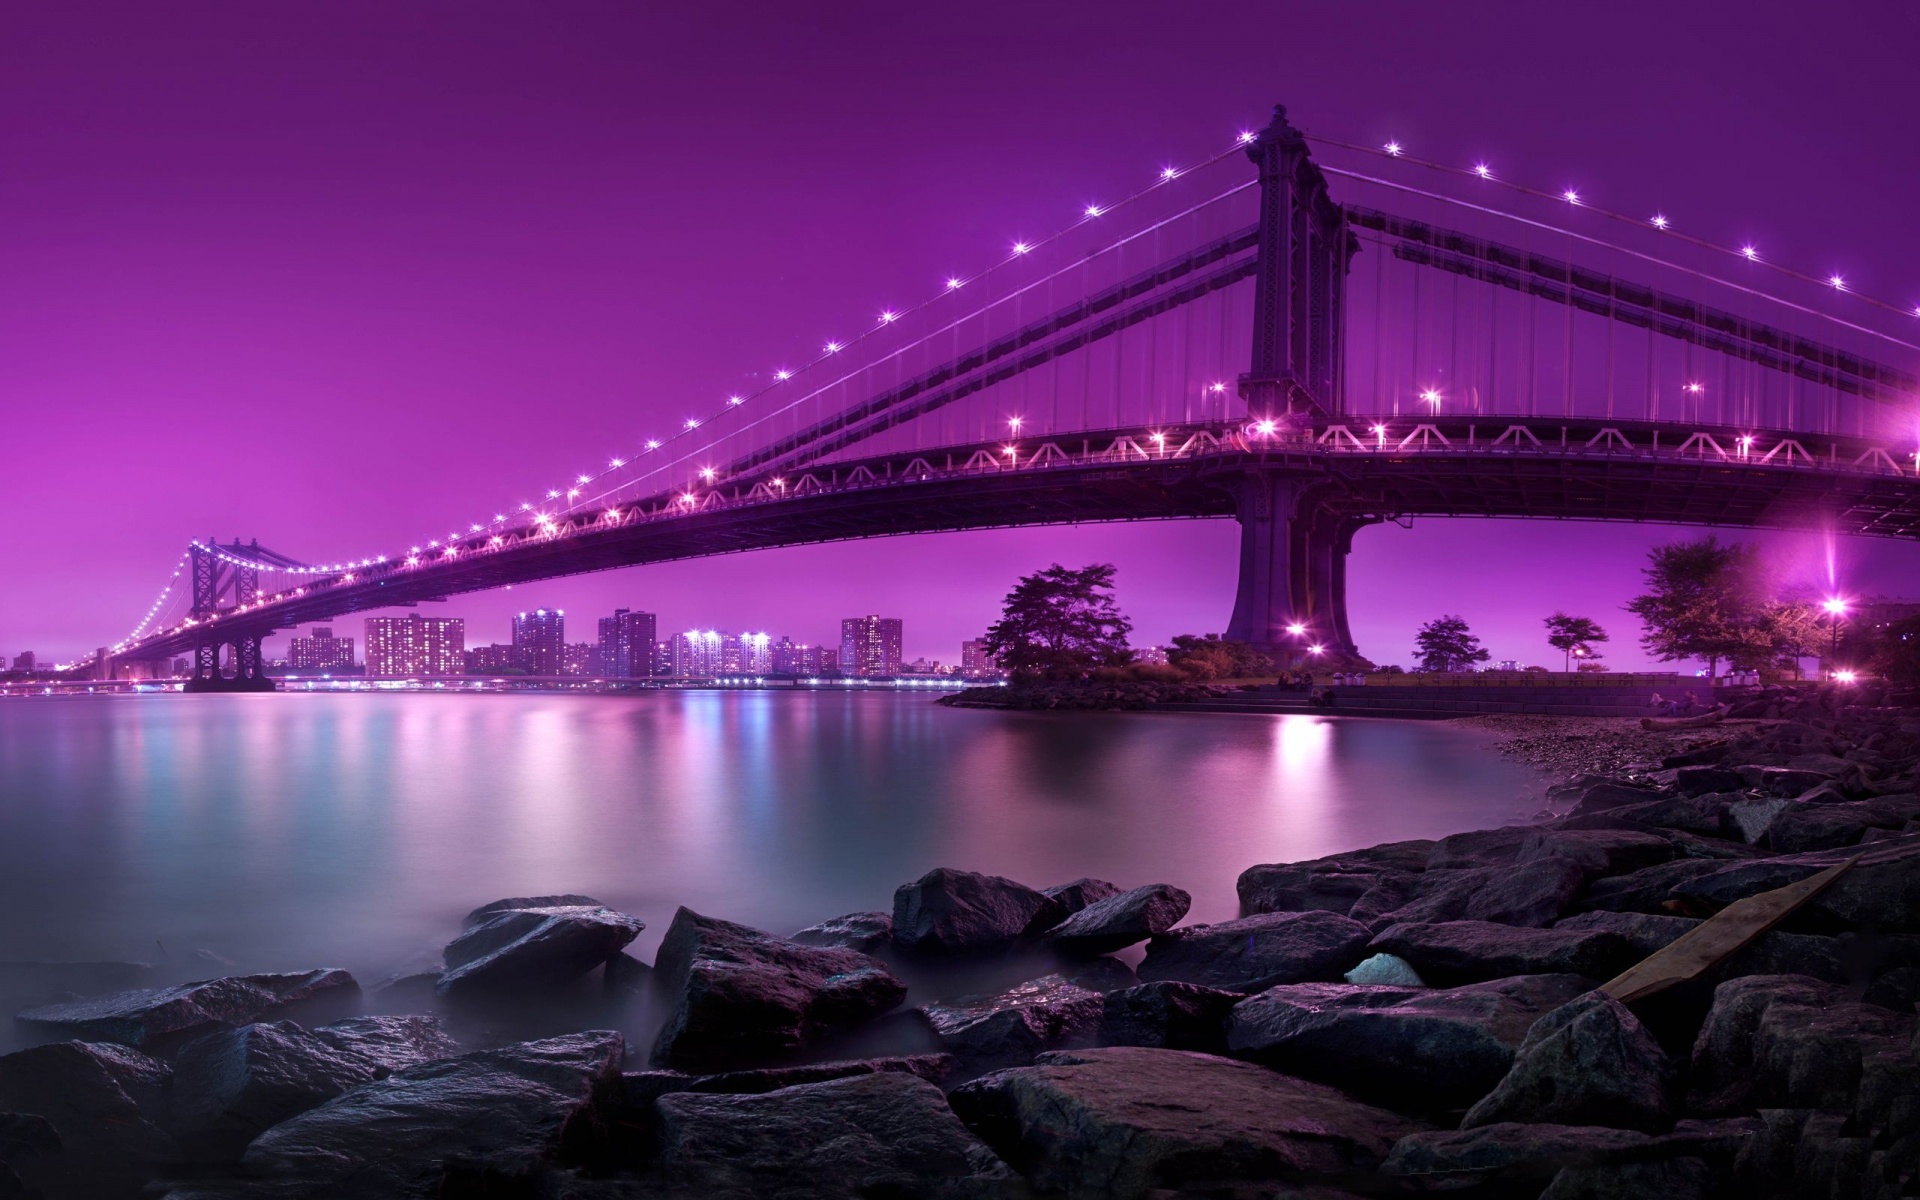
(1836, 612)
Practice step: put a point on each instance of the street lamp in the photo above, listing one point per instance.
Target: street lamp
(1836, 611)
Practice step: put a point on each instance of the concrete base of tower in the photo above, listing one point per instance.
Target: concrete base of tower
(1291, 601)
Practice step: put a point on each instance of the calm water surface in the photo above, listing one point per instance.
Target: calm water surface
(289, 831)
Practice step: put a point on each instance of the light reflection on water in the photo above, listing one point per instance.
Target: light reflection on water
(297, 830)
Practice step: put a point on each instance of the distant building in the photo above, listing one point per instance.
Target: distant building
(415, 646)
(321, 651)
(540, 641)
(626, 646)
(975, 662)
(870, 646)
(23, 661)
(785, 657)
(926, 666)
(697, 654)
(493, 659)
(663, 658)
(1151, 654)
(756, 654)
(578, 659)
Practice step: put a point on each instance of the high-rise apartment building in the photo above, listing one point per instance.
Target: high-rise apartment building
(756, 654)
(579, 659)
(494, 659)
(870, 646)
(415, 645)
(320, 652)
(627, 644)
(697, 653)
(975, 662)
(540, 641)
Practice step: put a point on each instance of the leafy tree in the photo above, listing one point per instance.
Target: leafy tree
(1574, 635)
(1211, 656)
(1444, 644)
(1061, 623)
(1896, 652)
(1707, 600)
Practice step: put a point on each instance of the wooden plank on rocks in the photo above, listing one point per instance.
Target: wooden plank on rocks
(1719, 937)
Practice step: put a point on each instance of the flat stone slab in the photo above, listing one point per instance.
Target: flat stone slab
(507, 949)
(1257, 952)
(145, 1015)
(1450, 953)
(866, 932)
(1125, 1120)
(965, 913)
(1120, 920)
(1011, 1027)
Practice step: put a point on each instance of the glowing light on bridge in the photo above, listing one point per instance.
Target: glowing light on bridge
(1316, 649)
(1217, 388)
(1696, 388)
(1266, 427)
(1014, 424)
(1246, 135)
(1839, 282)
(687, 498)
(692, 423)
(583, 479)
(782, 375)
(888, 316)
(553, 493)
(612, 514)
(833, 347)
(1392, 148)
(1750, 253)
(1094, 210)
(706, 473)
(653, 443)
(1158, 439)
(616, 464)
(1013, 455)
(952, 283)
(413, 560)
(1431, 395)
(1571, 196)
(1021, 247)
(1659, 222)
(1296, 629)
(1483, 170)
(450, 551)
(1167, 173)
(573, 493)
(495, 540)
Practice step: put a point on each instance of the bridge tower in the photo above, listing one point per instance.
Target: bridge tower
(219, 578)
(1294, 535)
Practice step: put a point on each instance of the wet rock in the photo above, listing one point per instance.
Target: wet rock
(231, 1085)
(1515, 1154)
(1882, 890)
(625, 973)
(966, 913)
(1124, 1121)
(1603, 796)
(23, 1135)
(1588, 1062)
(1099, 974)
(745, 997)
(108, 1105)
(866, 932)
(1702, 815)
(1120, 920)
(493, 1119)
(1010, 1027)
(1456, 952)
(1478, 848)
(1598, 852)
(1787, 1041)
(884, 1134)
(146, 1016)
(934, 1068)
(384, 1045)
(1328, 884)
(521, 948)
(1772, 953)
(1753, 817)
(1790, 781)
(1414, 1049)
(1169, 1016)
(564, 900)
(1803, 827)
(1388, 969)
(1531, 894)
(1254, 953)
(1072, 897)
(1646, 890)
(31, 984)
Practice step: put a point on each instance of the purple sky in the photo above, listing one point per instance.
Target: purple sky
(326, 274)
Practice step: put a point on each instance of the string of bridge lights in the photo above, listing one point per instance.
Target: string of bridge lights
(1659, 222)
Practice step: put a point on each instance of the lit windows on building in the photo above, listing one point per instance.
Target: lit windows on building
(870, 646)
(414, 646)
(321, 651)
(626, 644)
(540, 641)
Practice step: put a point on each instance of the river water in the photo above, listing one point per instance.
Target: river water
(291, 831)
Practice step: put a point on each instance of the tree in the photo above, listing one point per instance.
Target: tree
(1211, 656)
(1573, 635)
(1896, 652)
(1445, 644)
(1704, 600)
(1060, 624)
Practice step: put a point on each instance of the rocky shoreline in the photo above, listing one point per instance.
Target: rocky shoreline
(1406, 1019)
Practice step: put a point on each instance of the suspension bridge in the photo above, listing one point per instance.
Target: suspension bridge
(1305, 347)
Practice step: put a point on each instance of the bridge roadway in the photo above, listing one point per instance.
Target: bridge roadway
(1354, 470)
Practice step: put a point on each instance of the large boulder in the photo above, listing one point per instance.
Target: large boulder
(1533, 893)
(1168, 1016)
(1413, 1049)
(1524, 1155)
(149, 1016)
(1802, 827)
(1010, 1027)
(563, 900)
(232, 1084)
(29, 984)
(866, 932)
(1456, 952)
(515, 949)
(1120, 920)
(387, 1044)
(1598, 852)
(493, 1120)
(1328, 884)
(1588, 1062)
(1788, 1041)
(743, 997)
(1881, 891)
(1478, 848)
(1124, 1121)
(966, 913)
(1074, 896)
(108, 1106)
(1258, 952)
(875, 1134)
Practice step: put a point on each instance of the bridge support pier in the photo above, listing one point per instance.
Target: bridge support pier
(213, 581)
(1293, 569)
